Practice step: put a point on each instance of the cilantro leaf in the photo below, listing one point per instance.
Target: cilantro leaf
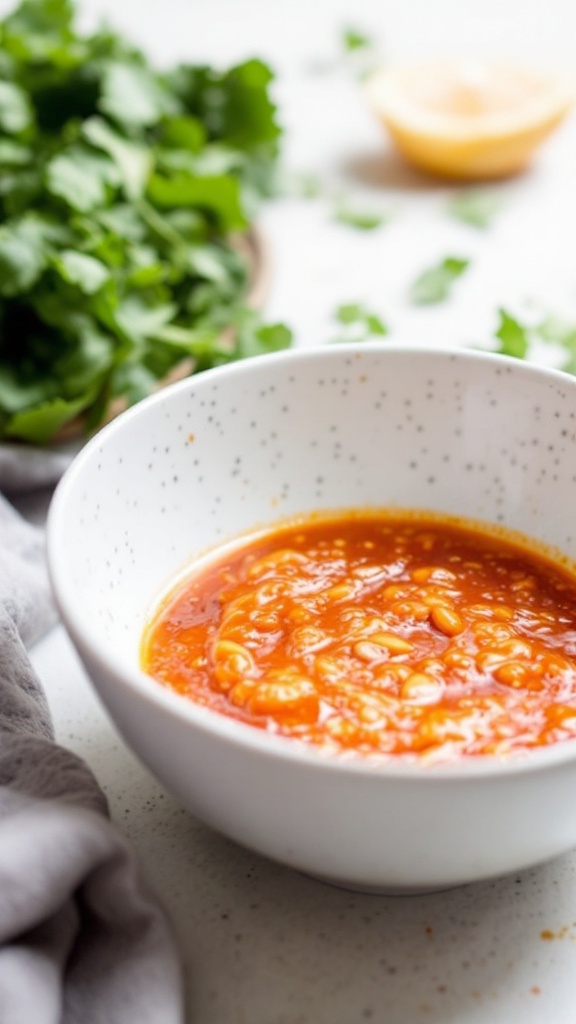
(15, 109)
(234, 106)
(132, 95)
(359, 50)
(475, 207)
(523, 341)
(299, 185)
(514, 338)
(253, 338)
(46, 419)
(23, 256)
(220, 195)
(359, 323)
(557, 331)
(134, 162)
(435, 284)
(353, 40)
(88, 273)
(82, 179)
(354, 217)
(562, 333)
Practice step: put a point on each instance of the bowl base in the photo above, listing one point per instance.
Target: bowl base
(381, 890)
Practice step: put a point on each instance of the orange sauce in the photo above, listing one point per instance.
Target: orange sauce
(380, 635)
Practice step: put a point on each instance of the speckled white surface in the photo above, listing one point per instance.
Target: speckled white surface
(262, 945)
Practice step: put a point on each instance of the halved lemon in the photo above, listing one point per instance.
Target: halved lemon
(469, 119)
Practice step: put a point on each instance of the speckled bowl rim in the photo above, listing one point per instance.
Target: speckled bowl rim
(238, 733)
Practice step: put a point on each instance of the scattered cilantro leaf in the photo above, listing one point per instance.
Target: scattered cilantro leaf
(358, 52)
(122, 189)
(475, 207)
(435, 284)
(521, 341)
(353, 40)
(254, 338)
(561, 333)
(569, 363)
(355, 217)
(298, 185)
(558, 331)
(514, 338)
(359, 323)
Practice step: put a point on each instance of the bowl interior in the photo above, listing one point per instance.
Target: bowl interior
(459, 432)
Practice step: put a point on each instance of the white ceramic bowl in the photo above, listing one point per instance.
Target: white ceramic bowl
(467, 433)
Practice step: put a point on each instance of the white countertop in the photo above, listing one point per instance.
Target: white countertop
(262, 944)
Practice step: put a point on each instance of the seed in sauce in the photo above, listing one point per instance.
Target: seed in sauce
(380, 635)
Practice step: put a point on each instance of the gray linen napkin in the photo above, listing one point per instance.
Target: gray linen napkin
(82, 941)
(25, 468)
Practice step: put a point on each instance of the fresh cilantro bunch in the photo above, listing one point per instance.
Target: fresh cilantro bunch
(122, 190)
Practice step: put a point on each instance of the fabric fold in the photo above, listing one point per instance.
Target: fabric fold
(82, 939)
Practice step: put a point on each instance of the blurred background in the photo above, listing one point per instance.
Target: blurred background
(527, 261)
(291, 29)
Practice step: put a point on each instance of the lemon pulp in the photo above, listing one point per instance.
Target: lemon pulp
(469, 119)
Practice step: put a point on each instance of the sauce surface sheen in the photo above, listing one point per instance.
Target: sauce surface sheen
(375, 635)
